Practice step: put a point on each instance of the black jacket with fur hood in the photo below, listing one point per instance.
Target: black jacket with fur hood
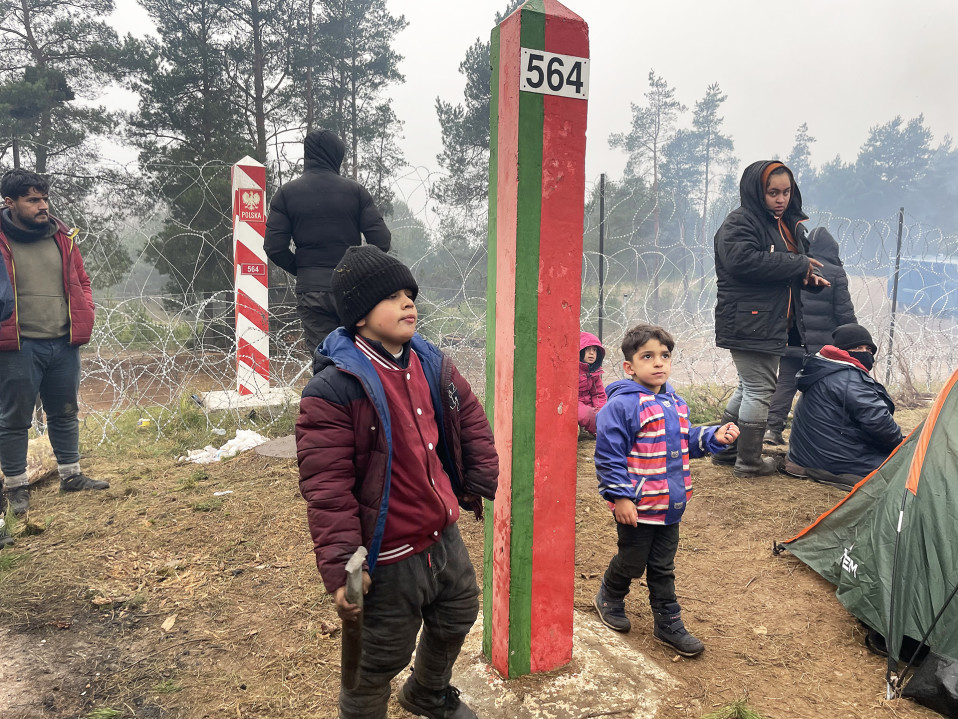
(323, 212)
(758, 278)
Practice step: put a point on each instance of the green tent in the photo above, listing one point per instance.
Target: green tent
(891, 545)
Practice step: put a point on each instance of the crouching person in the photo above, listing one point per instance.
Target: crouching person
(391, 442)
(642, 453)
(843, 427)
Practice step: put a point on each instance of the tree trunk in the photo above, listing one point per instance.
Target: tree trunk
(256, 23)
(310, 100)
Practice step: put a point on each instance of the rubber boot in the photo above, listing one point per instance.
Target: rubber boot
(670, 630)
(727, 457)
(750, 462)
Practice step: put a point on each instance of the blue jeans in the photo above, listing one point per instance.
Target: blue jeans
(50, 368)
(757, 376)
(435, 589)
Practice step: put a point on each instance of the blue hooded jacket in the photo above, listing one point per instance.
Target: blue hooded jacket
(642, 450)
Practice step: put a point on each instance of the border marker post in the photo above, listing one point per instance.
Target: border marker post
(251, 277)
(539, 93)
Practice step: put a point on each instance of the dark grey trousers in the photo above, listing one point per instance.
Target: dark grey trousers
(435, 589)
(317, 312)
(646, 549)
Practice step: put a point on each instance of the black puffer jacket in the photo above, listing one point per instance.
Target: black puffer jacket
(758, 278)
(323, 212)
(843, 420)
(832, 306)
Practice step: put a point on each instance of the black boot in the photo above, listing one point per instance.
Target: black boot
(750, 462)
(671, 631)
(79, 482)
(442, 704)
(5, 539)
(611, 611)
(18, 499)
(773, 437)
(727, 457)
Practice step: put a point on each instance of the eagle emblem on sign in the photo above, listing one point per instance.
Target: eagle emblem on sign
(251, 200)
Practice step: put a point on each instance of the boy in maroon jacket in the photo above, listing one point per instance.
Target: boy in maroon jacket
(391, 441)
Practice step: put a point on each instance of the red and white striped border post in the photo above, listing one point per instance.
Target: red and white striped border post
(250, 277)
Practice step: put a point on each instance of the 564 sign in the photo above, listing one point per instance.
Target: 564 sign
(549, 73)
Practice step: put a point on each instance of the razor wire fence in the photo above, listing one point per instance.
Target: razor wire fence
(165, 332)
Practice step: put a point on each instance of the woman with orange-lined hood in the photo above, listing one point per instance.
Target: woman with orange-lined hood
(761, 266)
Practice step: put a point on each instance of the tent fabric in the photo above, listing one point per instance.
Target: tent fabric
(898, 584)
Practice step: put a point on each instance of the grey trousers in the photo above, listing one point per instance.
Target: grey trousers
(435, 589)
(757, 376)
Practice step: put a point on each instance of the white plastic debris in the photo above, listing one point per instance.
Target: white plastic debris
(245, 439)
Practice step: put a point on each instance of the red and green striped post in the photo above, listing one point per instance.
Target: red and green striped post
(536, 203)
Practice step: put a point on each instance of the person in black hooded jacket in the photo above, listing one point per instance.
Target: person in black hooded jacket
(761, 266)
(844, 426)
(823, 312)
(323, 213)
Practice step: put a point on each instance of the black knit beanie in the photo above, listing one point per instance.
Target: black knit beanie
(365, 277)
(852, 335)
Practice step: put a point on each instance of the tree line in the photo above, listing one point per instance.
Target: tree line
(221, 79)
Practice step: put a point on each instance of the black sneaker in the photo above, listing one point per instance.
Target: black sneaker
(423, 702)
(671, 631)
(80, 481)
(18, 499)
(611, 611)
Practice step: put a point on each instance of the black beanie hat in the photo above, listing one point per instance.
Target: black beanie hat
(852, 335)
(365, 277)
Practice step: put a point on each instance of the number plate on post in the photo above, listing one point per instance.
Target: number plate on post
(549, 73)
(257, 270)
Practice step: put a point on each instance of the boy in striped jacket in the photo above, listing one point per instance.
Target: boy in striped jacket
(642, 454)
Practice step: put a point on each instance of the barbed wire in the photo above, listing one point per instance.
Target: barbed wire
(152, 349)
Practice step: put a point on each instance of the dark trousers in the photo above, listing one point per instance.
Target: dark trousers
(50, 368)
(317, 312)
(648, 549)
(435, 589)
(785, 389)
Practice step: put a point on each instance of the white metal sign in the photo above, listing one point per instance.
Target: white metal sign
(549, 73)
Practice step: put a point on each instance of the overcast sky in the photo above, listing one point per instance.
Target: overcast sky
(841, 66)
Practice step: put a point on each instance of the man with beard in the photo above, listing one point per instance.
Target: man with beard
(323, 213)
(40, 342)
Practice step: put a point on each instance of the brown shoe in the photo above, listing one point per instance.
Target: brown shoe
(794, 470)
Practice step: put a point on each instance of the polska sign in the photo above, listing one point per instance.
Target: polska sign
(250, 205)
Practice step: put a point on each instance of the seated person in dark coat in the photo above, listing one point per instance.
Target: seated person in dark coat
(843, 420)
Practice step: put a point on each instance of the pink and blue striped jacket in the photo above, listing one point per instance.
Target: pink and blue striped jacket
(642, 450)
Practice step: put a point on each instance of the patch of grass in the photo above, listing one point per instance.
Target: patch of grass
(167, 686)
(209, 505)
(10, 560)
(705, 402)
(735, 710)
(193, 479)
(135, 602)
(105, 713)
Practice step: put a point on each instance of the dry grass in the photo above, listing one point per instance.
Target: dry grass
(153, 600)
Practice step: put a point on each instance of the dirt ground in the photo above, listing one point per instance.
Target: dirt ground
(163, 598)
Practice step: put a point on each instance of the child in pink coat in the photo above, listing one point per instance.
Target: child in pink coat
(591, 391)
